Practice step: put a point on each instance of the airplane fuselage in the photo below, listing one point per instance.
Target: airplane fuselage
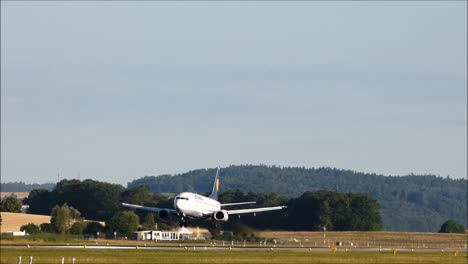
(194, 205)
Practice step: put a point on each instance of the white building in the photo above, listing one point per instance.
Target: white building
(15, 233)
(157, 235)
(24, 209)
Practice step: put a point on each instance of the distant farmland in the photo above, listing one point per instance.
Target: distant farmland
(19, 195)
(12, 222)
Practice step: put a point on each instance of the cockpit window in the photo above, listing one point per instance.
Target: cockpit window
(183, 198)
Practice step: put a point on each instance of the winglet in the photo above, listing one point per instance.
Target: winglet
(214, 192)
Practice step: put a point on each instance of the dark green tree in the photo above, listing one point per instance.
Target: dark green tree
(47, 228)
(95, 200)
(326, 216)
(11, 204)
(148, 222)
(304, 212)
(63, 217)
(78, 227)
(92, 228)
(451, 226)
(364, 214)
(164, 226)
(30, 229)
(214, 228)
(137, 195)
(40, 202)
(123, 222)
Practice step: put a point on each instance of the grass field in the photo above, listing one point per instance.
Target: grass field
(210, 257)
(371, 239)
(286, 239)
(13, 222)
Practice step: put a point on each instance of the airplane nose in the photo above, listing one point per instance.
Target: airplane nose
(178, 204)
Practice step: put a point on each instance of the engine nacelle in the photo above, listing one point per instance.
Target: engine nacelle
(221, 215)
(163, 215)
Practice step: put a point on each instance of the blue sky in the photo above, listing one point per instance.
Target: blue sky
(114, 91)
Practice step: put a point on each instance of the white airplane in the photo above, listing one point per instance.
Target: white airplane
(192, 205)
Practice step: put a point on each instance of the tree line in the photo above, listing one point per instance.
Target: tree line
(311, 211)
(70, 201)
(407, 203)
(25, 187)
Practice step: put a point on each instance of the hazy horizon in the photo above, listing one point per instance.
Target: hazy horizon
(114, 91)
(179, 173)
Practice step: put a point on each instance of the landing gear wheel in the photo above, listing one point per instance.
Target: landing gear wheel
(183, 223)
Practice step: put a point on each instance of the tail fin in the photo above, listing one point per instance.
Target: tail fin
(214, 192)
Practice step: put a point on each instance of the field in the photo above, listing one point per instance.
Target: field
(370, 239)
(13, 221)
(276, 247)
(19, 195)
(222, 256)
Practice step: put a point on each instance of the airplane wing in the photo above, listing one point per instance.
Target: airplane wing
(255, 210)
(231, 204)
(151, 209)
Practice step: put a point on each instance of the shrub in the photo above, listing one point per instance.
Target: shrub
(451, 226)
(31, 229)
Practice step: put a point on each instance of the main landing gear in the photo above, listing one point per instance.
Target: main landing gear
(183, 222)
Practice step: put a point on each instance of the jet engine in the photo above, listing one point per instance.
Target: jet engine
(163, 215)
(221, 215)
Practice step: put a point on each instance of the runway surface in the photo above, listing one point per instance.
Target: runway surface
(236, 248)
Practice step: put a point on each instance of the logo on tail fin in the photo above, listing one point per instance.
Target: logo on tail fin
(214, 192)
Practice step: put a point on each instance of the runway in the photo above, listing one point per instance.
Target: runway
(226, 248)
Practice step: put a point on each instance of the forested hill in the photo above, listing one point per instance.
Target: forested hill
(25, 187)
(407, 203)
